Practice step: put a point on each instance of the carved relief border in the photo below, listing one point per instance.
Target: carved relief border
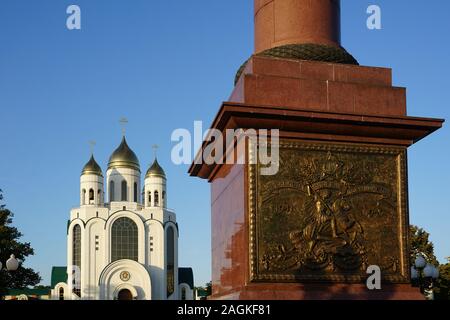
(402, 212)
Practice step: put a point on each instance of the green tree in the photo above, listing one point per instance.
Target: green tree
(442, 291)
(420, 243)
(10, 244)
(204, 292)
(208, 288)
(43, 287)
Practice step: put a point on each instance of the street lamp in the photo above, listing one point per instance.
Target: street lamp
(11, 265)
(424, 274)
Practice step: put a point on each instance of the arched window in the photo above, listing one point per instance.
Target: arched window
(111, 191)
(61, 293)
(91, 196)
(135, 191)
(83, 196)
(170, 265)
(99, 196)
(149, 198)
(156, 199)
(163, 198)
(76, 259)
(124, 238)
(124, 191)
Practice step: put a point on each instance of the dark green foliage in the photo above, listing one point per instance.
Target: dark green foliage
(10, 244)
(420, 243)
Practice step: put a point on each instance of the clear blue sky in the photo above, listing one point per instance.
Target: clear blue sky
(164, 64)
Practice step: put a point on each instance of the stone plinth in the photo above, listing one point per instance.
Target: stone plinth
(339, 202)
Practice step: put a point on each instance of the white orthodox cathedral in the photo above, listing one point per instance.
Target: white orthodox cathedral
(125, 246)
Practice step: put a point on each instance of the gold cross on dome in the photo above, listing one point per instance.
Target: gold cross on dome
(155, 149)
(123, 122)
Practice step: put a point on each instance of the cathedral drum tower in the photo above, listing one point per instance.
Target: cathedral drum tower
(339, 201)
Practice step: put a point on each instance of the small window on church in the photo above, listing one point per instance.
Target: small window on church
(163, 198)
(111, 191)
(135, 191)
(76, 257)
(156, 199)
(61, 293)
(149, 198)
(124, 191)
(170, 262)
(83, 196)
(91, 196)
(99, 196)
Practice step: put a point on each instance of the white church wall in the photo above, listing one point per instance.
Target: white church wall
(112, 280)
(153, 184)
(117, 175)
(88, 182)
(94, 261)
(86, 213)
(155, 260)
(188, 291)
(55, 292)
(74, 274)
(95, 236)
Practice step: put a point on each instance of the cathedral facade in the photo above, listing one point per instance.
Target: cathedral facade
(122, 241)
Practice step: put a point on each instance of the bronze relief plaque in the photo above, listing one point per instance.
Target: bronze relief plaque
(330, 212)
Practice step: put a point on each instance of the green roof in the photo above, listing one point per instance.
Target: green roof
(29, 292)
(59, 274)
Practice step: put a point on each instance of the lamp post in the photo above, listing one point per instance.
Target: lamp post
(11, 265)
(423, 275)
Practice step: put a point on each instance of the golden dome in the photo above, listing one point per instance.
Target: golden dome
(155, 170)
(124, 157)
(92, 167)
